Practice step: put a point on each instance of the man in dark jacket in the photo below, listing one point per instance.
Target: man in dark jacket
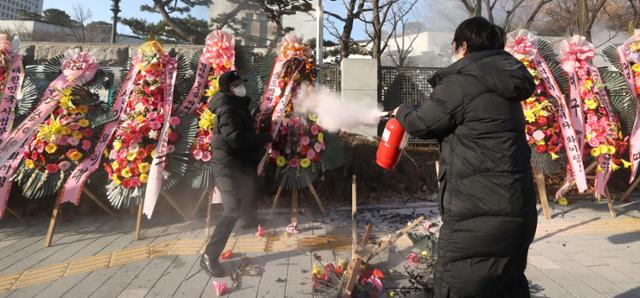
(487, 198)
(236, 149)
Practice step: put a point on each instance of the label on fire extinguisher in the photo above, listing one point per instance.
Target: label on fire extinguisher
(385, 135)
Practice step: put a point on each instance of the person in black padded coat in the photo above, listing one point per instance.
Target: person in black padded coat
(236, 148)
(487, 198)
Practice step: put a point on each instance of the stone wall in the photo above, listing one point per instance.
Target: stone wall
(111, 55)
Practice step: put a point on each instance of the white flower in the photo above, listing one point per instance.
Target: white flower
(153, 134)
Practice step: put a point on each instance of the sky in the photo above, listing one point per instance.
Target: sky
(131, 8)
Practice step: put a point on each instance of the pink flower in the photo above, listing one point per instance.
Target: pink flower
(292, 229)
(155, 125)
(40, 147)
(377, 284)
(275, 154)
(594, 142)
(86, 145)
(208, 139)
(414, 259)
(294, 163)
(65, 165)
(174, 121)
(538, 135)
(73, 141)
(74, 126)
(171, 148)
(51, 168)
(197, 154)
(311, 154)
(315, 129)
(305, 140)
(220, 288)
(318, 147)
(260, 232)
(206, 156)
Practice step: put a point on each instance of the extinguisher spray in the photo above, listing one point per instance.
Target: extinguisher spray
(394, 140)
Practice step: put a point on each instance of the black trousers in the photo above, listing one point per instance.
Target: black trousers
(238, 186)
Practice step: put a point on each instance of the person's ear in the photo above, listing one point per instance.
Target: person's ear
(464, 49)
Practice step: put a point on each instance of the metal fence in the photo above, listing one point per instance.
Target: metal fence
(329, 76)
(404, 85)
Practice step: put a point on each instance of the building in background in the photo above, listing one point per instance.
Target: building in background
(259, 30)
(9, 8)
(97, 32)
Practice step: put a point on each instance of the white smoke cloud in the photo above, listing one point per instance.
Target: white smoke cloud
(334, 113)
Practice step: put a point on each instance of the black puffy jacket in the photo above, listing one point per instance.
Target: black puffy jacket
(235, 135)
(487, 198)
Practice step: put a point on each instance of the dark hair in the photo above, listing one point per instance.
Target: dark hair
(480, 35)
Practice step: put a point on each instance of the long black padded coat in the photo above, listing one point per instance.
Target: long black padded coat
(487, 198)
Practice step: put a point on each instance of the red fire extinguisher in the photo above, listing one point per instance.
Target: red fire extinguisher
(393, 140)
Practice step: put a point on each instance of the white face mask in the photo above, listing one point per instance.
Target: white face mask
(453, 60)
(240, 91)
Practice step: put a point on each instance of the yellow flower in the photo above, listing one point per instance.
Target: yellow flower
(313, 117)
(211, 91)
(65, 99)
(29, 164)
(144, 167)
(75, 156)
(305, 163)
(116, 180)
(588, 83)
(125, 173)
(207, 120)
(563, 201)
(144, 178)
(531, 117)
(424, 253)
(554, 156)
(116, 145)
(83, 122)
(115, 165)
(636, 67)
(635, 46)
(131, 156)
(66, 131)
(626, 164)
(611, 150)
(154, 153)
(595, 152)
(77, 135)
(83, 109)
(317, 269)
(51, 148)
(321, 137)
(614, 166)
(591, 103)
(281, 161)
(53, 130)
(139, 118)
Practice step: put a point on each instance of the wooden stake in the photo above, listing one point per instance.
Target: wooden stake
(208, 220)
(98, 202)
(294, 206)
(438, 172)
(353, 270)
(542, 193)
(630, 190)
(17, 216)
(278, 193)
(612, 211)
(52, 224)
(195, 209)
(394, 237)
(354, 222)
(173, 204)
(573, 182)
(316, 197)
(139, 219)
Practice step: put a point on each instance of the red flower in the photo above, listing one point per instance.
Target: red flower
(542, 121)
(378, 273)
(87, 132)
(173, 136)
(541, 148)
(52, 168)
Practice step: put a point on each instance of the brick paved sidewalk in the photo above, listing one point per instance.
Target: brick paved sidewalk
(581, 252)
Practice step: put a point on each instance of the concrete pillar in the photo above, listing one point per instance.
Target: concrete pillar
(360, 84)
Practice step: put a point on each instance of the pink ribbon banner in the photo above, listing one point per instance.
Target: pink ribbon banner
(272, 89)
(72, 188)
(193, 97)
(604, 160)
(156, 172)
(10, 95)
(571, 143)
(634, 140)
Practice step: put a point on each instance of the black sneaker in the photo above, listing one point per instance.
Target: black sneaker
(214, 268)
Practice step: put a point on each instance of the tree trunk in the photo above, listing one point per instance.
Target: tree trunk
(535, 12)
